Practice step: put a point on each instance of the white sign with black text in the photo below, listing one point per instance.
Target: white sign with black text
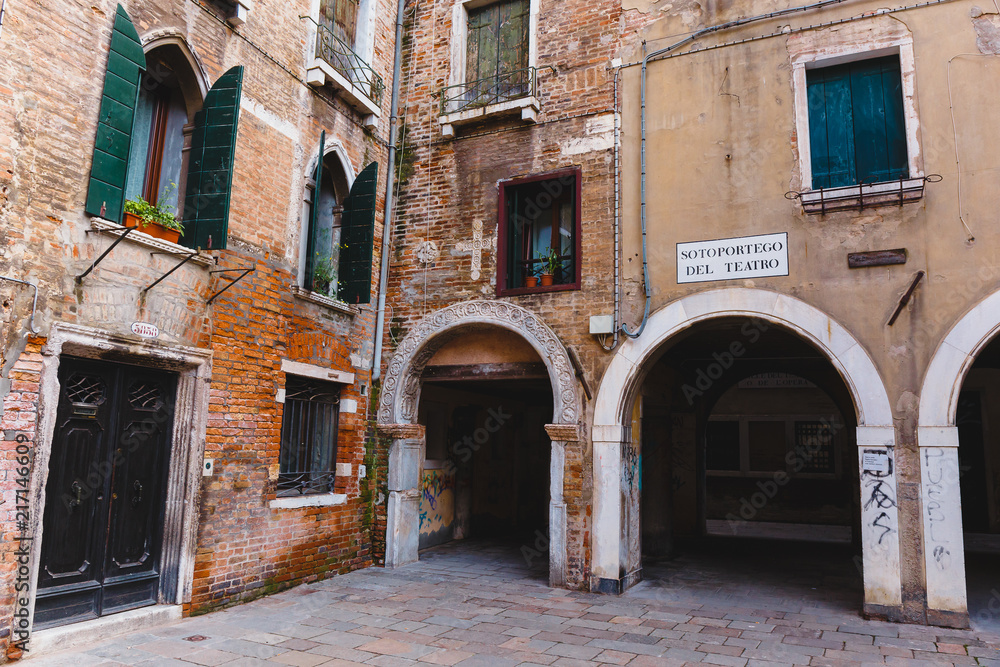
(733, 259)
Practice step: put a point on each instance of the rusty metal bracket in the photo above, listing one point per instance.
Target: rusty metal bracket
(121, 237)
(243, 275)
(905, 299)
(34, 301)
(184, 261)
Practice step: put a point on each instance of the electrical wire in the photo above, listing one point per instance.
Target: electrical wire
(954, 126)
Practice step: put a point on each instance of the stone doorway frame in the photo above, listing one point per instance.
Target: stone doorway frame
(937, 442)
(613, 501)
(397, 418)
(180, 526)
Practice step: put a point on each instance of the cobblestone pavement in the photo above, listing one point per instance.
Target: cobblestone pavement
(480, 605)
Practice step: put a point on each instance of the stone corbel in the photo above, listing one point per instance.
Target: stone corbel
(564, 432)
(402, 431)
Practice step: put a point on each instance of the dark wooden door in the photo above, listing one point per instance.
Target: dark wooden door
(104, 500)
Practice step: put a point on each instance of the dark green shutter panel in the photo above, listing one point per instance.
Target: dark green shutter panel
(314, 216)
(357, 236)
(210, 165)
(831, 127)
(126, 62)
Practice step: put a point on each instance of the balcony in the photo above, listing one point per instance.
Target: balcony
(335, 63)
(505, 94)
(862, 196)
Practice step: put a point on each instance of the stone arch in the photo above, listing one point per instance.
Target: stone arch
(621, 382)
(401, 394)
(937, 439)
(154, 39)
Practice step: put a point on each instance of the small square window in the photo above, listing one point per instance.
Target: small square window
(857, 129)
(539, 235)
(308, 458)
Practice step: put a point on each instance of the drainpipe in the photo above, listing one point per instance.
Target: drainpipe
(390, 184)
(642, 151)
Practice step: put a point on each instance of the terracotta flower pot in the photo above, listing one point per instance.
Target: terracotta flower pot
(154, 229)
(531, 281)
(546, 279)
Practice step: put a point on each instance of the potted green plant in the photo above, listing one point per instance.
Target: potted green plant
(551, 262)
(157, 220)
(324, 277)
(530, 279)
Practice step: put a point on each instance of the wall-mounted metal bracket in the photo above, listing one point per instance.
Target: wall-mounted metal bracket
(184, 261)
(243, 275)
(121, 237)
(34, 301)
(905, 299)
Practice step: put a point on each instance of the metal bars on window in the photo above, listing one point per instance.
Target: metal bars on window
(308, 457)
(340, 56)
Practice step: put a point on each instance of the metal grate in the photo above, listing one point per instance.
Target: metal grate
(86, 390)
(341, 57)
(491, 90)
(814, 443)
(144, 396)
(308, 437)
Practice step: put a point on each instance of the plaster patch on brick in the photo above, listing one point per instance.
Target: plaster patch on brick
(599, 135)
(476, 246)
(270, 119)
(987, 33)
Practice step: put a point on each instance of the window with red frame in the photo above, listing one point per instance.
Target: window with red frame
(540, 233)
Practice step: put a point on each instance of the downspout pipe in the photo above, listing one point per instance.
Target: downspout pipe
(390, 184)
(646, 58)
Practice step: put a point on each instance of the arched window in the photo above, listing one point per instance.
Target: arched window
(169, 97)
(326, 192)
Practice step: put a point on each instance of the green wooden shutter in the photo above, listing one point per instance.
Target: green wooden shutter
(857, 131)
(314, 217)
(357, 236)
(210, 165)
(126, 63)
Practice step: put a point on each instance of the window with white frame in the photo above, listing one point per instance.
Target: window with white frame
(492, 59)
(856, 117)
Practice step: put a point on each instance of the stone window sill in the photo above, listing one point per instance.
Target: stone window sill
(527, 106)
(139, 237)
(318, 500)
(321, 300)
(320, 73)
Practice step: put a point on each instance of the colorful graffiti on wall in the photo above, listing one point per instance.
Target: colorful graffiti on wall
(437, 507)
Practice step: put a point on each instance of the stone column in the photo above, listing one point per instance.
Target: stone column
(560, 435)
(941, 510)
(606, 563)
(406, 455)
(880, 522)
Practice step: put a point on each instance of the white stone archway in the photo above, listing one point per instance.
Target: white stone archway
(937, 438)
(397, 417)
(611, 557)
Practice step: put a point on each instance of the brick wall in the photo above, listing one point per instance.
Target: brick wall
(453, 182)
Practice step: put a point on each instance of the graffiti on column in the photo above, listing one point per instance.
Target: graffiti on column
(880, 496)
(934, 471)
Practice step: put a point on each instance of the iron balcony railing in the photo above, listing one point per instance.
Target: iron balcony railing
(341, 57)
(489, 91)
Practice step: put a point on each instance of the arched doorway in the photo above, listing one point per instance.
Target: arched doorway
(399, 415)
(850, 380)
(957, 478)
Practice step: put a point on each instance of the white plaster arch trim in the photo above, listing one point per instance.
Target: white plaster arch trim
(401, 387)
(335, 147)
(952, 360)
(842, 349)
(173, 37)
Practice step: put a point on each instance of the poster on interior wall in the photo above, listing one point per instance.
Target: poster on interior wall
(733, 259)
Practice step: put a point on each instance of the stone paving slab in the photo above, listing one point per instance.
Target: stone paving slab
(480, 605)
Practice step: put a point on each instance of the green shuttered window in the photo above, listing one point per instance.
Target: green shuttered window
(126, 62)
(210, 166)
(357, 237)
(497, 52)
(857, 132)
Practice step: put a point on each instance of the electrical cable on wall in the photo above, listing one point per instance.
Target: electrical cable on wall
(954, 126)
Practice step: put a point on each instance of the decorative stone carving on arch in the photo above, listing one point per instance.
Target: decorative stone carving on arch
(172, 36)
(401, 396)
(401, 386)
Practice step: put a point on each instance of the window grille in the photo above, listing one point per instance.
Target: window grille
(308, 458)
